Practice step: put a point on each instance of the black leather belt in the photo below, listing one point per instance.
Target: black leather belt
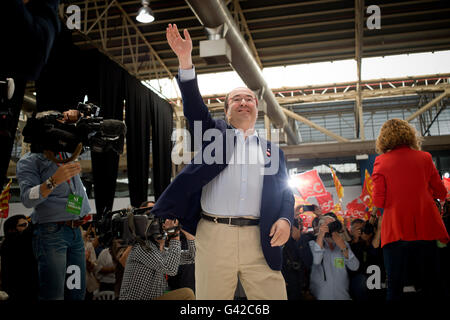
(233, 221)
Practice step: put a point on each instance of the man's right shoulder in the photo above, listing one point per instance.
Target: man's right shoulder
(30, 157)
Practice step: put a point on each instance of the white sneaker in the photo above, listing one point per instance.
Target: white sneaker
(409, 289)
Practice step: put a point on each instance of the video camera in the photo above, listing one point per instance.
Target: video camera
(134, 225)
(47, 131)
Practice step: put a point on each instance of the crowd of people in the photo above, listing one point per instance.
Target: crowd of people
(327, 262)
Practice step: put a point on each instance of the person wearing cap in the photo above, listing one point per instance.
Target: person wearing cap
(240, 211)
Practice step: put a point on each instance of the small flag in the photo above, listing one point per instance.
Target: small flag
(337, 184)
(366, 195)
(5, 196)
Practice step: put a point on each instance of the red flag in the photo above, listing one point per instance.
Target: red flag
(4, 200)
(309, 184)
(366, 194)
(325, 202)
(337, 184)
(356, 210)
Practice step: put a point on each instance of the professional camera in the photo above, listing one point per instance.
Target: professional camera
(368, 228)
(334, 226)
(134, 225)
(48, 132)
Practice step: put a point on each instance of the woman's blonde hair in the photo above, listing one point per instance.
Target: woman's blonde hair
(395, 132)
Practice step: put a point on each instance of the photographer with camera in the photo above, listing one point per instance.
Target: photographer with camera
(365, 244)
(59, 201)
(150, 263)
(297, 261)
(332, 256)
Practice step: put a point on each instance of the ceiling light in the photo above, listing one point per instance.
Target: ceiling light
(145, 14)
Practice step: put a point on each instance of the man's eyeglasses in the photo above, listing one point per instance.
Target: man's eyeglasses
(238, 99)
(25, 224)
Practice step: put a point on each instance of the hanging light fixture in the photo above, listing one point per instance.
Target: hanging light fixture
(145, 14)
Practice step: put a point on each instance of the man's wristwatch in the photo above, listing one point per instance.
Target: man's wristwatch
(50, 183)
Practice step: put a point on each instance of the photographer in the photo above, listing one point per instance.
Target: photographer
(149, 264)
(56, 193)
(331, 258)
(297, 261)
(365, 244)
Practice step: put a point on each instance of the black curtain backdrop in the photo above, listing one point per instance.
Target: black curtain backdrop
(61, 84)
(106, 89)
(69, 75)
(138, 121)
(162, 127)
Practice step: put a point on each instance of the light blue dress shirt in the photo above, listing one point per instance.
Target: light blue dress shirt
(237, 190)
(31, 171)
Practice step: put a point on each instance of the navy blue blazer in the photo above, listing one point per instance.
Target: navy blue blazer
(181, 199)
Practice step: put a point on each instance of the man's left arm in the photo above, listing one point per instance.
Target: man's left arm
(281, 229)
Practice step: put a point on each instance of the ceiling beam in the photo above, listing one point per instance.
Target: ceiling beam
(308, 122)
(359, 17)
(250, 41)
(430, 104)
(353, 148)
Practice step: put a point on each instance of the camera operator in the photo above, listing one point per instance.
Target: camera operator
(365, 244)
(59, 199)
(149, 264)
(27, 29)
(332, 256)
(297, 261)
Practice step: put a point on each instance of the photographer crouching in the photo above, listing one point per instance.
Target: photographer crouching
(58, 197)
(149, 263)
(365, 244)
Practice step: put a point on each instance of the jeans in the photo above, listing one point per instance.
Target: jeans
(60, 254)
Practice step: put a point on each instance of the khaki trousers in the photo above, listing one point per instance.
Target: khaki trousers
(224, 253)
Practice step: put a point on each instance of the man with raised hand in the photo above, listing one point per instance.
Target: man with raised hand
(240, 211)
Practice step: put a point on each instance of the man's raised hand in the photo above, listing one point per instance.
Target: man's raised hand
(181, 47)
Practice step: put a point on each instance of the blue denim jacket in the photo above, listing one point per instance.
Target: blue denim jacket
(32, 170)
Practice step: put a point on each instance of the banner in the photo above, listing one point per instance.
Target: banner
(307, 218)
(366, 194)
(299, 201)
(4, 200)
(309, 184)
(337, 184)
(325, 202)
(356, 210)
